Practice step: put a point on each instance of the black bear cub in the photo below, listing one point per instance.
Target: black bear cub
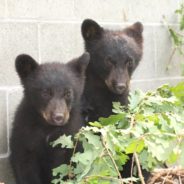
(50, 108)
(114, 55)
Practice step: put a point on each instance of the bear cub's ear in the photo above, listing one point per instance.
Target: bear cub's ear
(138, 27)
(80, 64)
(24, 65)
(91, 30)
(135, 31)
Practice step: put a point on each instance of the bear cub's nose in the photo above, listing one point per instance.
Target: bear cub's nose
(58, 117)
(120, 87)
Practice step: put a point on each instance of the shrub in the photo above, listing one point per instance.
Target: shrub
(151, 128)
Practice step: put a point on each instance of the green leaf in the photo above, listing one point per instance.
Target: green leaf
(121, 159)
(135, 99)
(175, 37)
(152, 126)
(84, 158)
(96, 124)
(104, 167)
(172, 158)
(178, 91)
(64, 141)
(181, 159)
(117, 107)
(147, 161)
(62, 171)
(113, 119)
(135, 146)
(93, 140)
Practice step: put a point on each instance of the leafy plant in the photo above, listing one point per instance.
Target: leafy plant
(177, 35)
(151, 128)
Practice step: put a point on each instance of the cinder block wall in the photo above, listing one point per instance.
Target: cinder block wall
(49, 30)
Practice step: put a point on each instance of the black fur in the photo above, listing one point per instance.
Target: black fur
(114, 55)
(50, 108)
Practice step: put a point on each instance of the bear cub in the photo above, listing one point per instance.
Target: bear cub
(50, 108)
(114, 55)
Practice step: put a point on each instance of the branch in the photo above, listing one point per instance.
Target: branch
(171, 57)
(139, 169)
(70, 175)
(165, 179)
(114, 163)
(99, 176)
(132, 165)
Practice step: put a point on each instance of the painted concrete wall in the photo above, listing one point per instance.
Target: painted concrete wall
(49, 30)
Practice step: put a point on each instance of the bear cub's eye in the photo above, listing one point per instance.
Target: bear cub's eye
(110, 61)
(46, 93)
(130, 63)
(68, 93)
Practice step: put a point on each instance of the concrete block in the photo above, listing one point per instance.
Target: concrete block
(101, 10)
(164, 49)
(121, 10)
(57, 9)
(42, 9)
(14, 99)
(152, 11)
(15, 38)
(60, 42)
(22, 8)
(146, 69)
(146, 85)
(3, 123)
(2, 9)
(6, 174)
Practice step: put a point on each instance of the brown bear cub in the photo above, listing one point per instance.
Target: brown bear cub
(114, 55)
(50, 108)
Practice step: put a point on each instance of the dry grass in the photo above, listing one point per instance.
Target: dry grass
(167, 176)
